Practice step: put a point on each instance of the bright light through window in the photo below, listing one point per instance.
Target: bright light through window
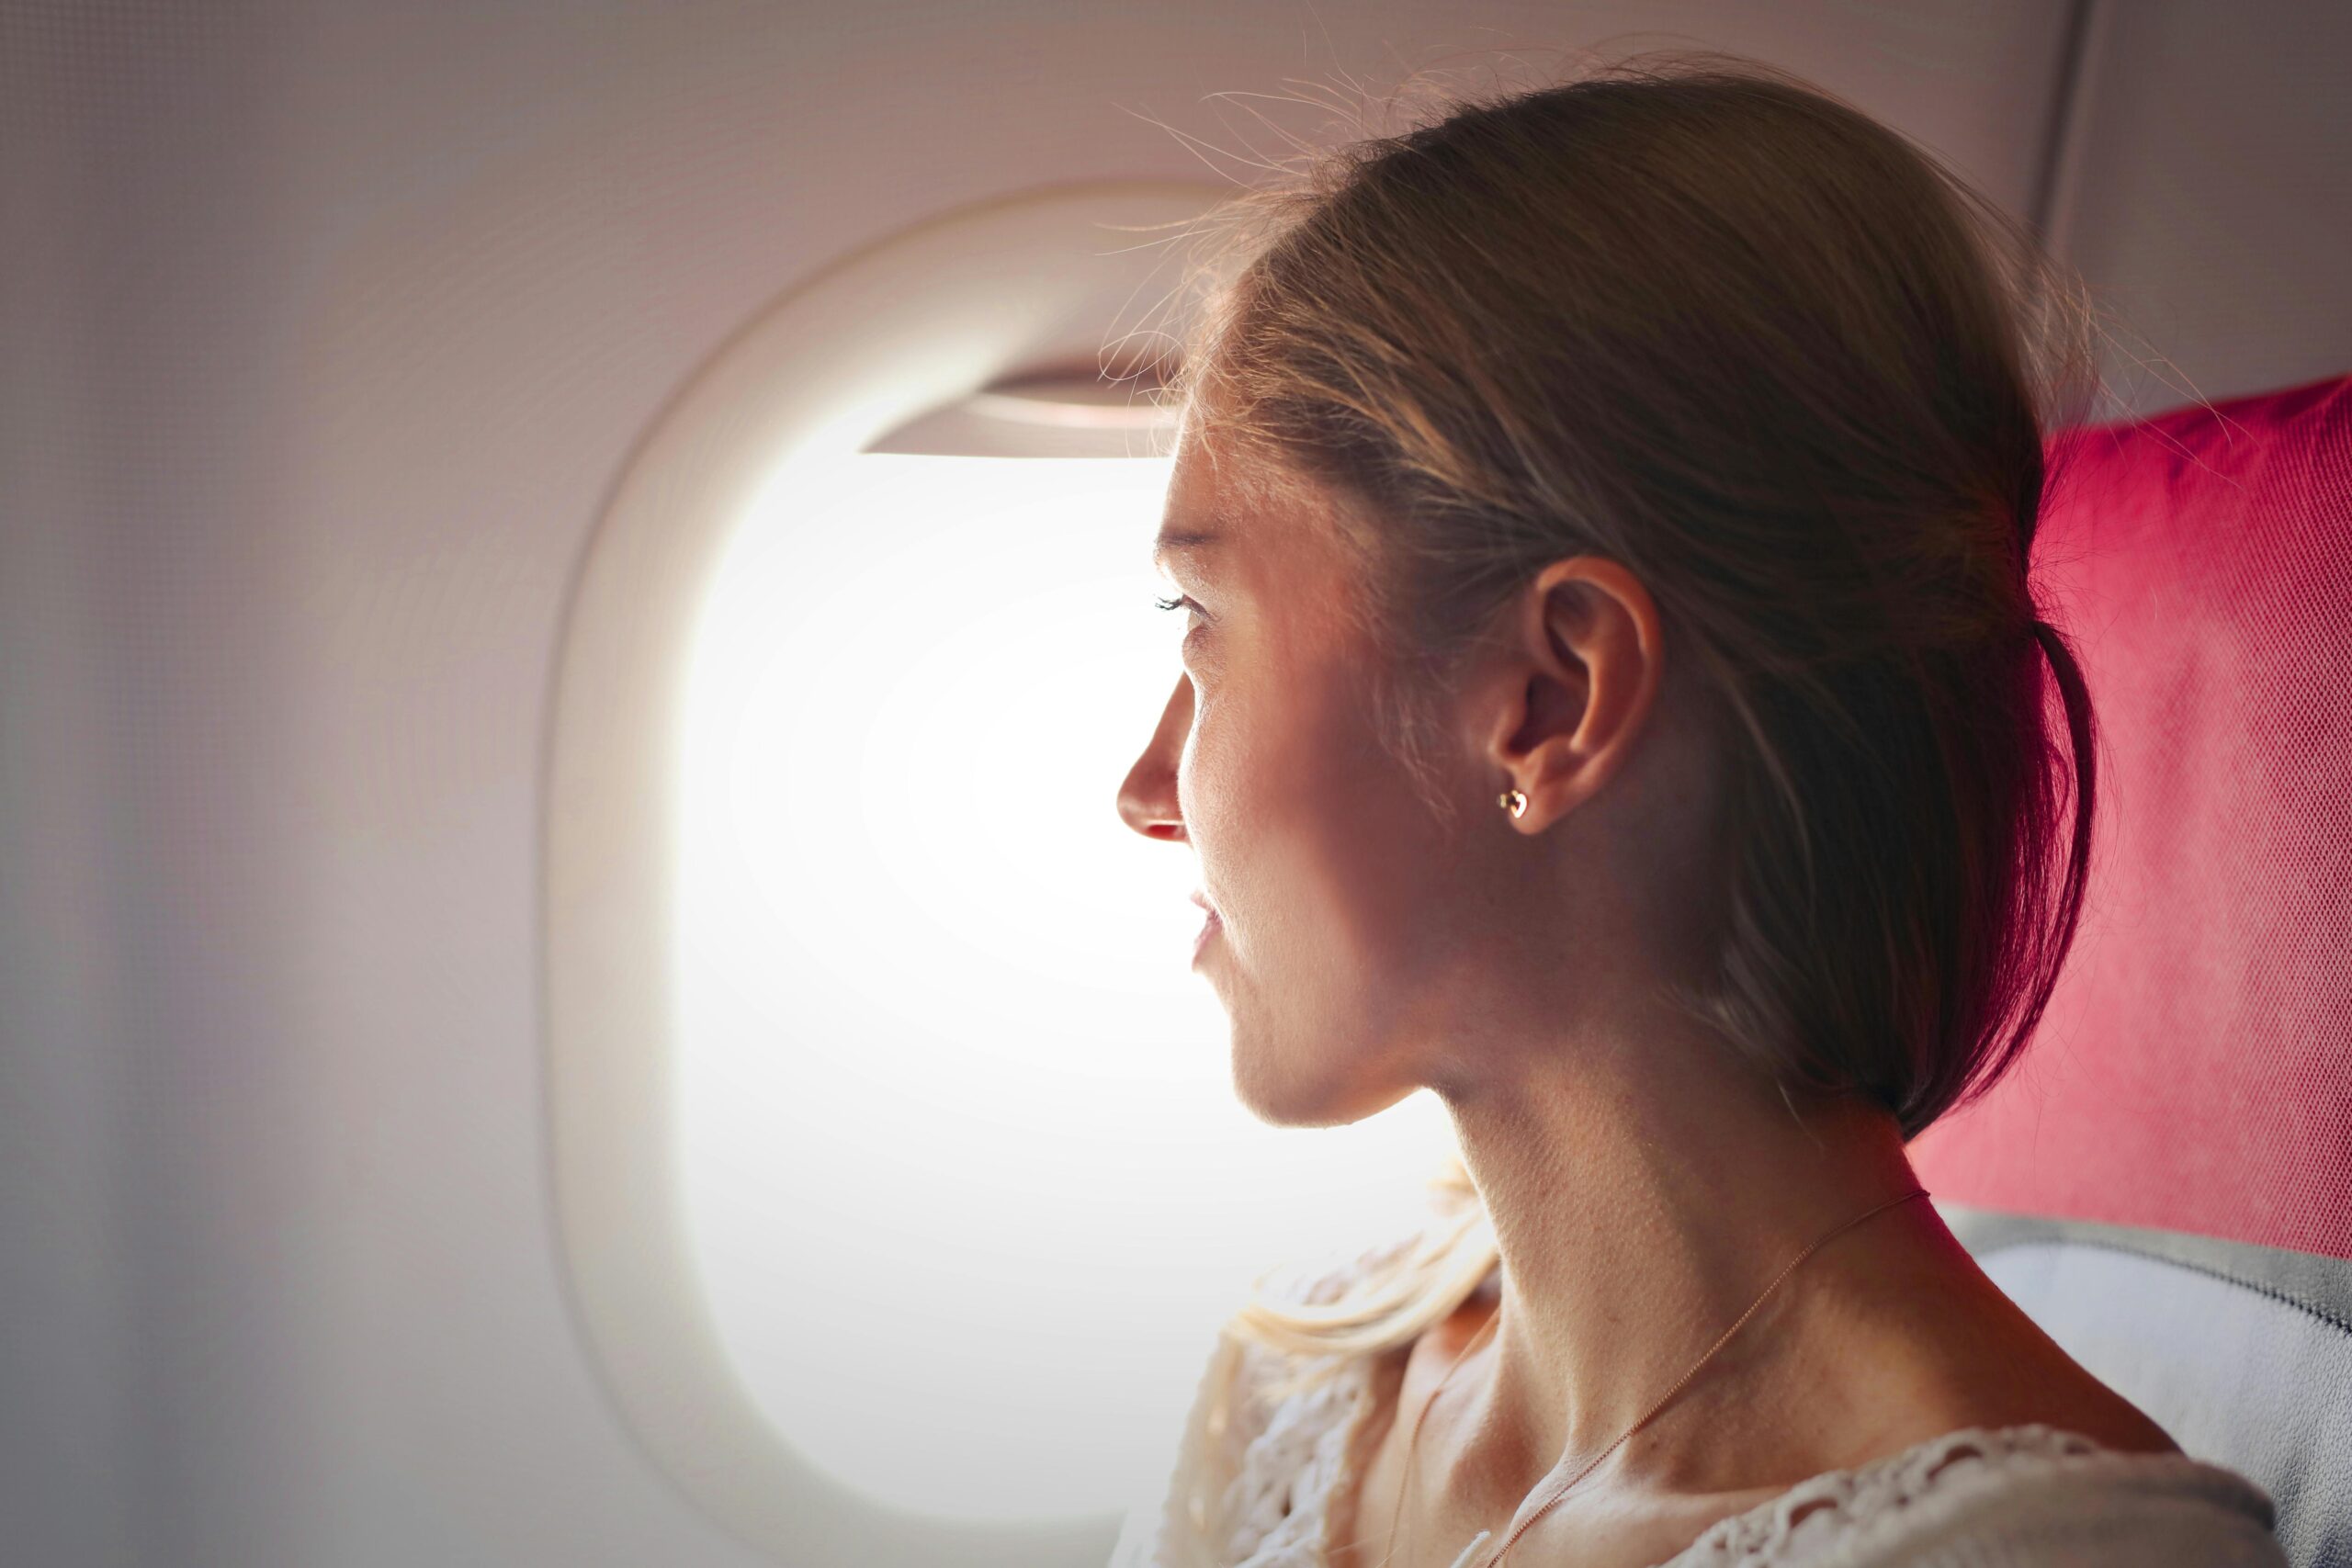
(966, 1179)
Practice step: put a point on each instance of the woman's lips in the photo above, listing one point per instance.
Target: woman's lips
(1209, 928)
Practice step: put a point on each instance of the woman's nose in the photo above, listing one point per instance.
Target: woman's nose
(1148, 798)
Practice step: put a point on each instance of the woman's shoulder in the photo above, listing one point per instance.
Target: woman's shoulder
(2024, 1495)
(1253, 1470)
(1266, 1438)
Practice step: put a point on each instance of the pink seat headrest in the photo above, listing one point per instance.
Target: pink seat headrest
(2194, 1070)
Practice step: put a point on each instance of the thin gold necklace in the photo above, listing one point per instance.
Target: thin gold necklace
(1561, 1490)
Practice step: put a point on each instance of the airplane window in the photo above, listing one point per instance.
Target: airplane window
(965, 1180)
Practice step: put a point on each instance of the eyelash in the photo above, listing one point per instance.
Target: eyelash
(1177, 603)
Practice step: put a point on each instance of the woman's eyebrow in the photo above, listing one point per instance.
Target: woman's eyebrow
(1167, 545)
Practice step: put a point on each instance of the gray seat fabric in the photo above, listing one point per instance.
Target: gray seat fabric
(2242, 1353)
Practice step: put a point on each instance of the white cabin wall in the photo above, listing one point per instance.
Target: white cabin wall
(67, 1430)
(322, 330)
(2208, 196)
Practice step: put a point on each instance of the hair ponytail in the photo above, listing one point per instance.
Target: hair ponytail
(2082, 745)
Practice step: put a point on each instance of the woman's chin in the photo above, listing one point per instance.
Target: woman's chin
(1297, 1094)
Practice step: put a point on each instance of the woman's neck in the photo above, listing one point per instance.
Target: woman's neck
(1644, 1191)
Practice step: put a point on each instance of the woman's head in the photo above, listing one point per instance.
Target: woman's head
(1667, 444)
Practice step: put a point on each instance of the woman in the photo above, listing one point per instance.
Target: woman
(1613, 700)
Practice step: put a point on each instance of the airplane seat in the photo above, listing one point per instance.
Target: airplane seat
(2164, 1181)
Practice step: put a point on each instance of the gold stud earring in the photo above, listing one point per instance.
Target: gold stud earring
(1514, 803)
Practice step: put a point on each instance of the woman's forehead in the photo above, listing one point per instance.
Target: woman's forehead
(1227, 504)
(1207, 517)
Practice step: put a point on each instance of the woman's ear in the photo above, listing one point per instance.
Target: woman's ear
(1578, 671)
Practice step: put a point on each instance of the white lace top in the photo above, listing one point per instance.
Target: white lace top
(1255, 1473)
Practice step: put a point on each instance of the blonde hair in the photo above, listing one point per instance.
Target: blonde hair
(1420, 1283)
(1694, 315)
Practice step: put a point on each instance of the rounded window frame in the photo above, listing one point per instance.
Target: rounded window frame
(909, 323)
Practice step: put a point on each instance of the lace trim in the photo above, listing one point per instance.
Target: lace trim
(1841, 1500)
(1274, 1508)
(1273, 1513)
